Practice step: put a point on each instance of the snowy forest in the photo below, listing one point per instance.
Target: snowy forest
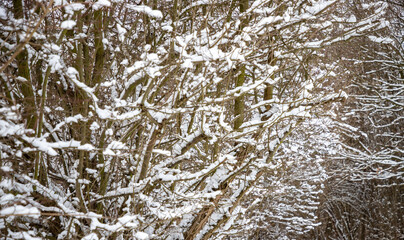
(202, 119)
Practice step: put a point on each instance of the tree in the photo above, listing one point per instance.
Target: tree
(366, 194)
(160, 119)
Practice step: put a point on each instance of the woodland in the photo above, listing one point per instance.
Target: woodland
(202, 119)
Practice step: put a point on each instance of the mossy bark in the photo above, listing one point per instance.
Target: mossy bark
(99, 48)
(239, 101)
(24, 72)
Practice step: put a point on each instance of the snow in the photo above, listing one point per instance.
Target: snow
(269, 20)
(381, 39)
(124, 62)
(352, 19)
(116, 145)
(20, 210)
(21, 79)
(197, 161)
(72, 7)
(142, 236)
(146, 10)
(121, 32)
(162, 152)
(123, 222)
(104, 113)
(91, 236)
(129, 115)
(42, 145)
(9, 129)
(6, 198)
(68, 24)
(109, 132)
(316, 44)
(108, 152)
(320, 6)
(152, 57)
(167, 28)
(187, 64)
(100, 4)
(86, 147)
(91, 171)
(59, 2)
(74, 119)
(94, 126)
(236, 55)
(129, 221)
(213, 53)
(23, 235)
(54, 63)
(3, 13)
(226, 126)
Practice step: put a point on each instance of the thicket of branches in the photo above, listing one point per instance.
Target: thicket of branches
(200, 119)
(366, 195)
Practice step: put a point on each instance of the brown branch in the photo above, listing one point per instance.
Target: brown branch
(21, 46)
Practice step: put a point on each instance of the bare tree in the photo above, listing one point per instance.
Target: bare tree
(163, 119)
